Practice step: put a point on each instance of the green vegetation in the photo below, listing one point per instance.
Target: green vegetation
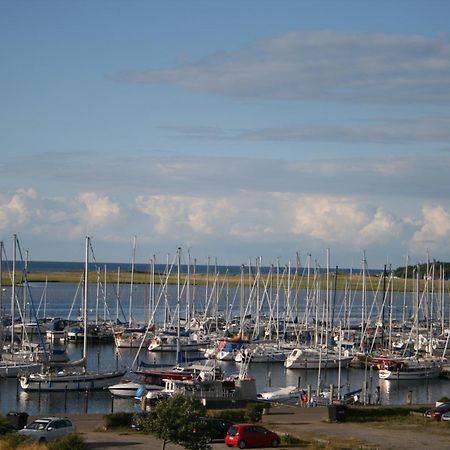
(421, 268)
(289, 439)
(72, 441)
(235, 415)
(5, 427)
(377, 414)
(251, 413)
(13, 440)
(117, 420)
(178, 420)
(297, 281)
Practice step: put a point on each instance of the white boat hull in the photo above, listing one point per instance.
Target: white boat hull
(125, 389)
(416, 374)
(70, 381)
(10, 369)
(312, 359)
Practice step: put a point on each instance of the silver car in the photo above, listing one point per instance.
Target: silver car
(48, 428)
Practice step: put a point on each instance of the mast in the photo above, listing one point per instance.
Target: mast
(13, 291)
(178, 303)
(241, 304)
(85, 308)
(404, 290)
(133, 259)
(118, 295)
(1, 279)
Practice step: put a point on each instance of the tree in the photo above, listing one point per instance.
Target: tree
(178, 419)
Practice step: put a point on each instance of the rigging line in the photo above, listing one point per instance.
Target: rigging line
(97, 267)
(33, 307)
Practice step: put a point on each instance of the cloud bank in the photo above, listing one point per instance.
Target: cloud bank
(321, 65)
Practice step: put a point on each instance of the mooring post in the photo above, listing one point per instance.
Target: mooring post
(65, 399)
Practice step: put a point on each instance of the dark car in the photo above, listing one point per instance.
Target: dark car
(436, 413)
(217, 428)
(250, 435)
(138, 419)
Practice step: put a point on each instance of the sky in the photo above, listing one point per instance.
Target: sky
(234, 130)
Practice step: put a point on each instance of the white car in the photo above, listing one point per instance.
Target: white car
(48, 428)
(446, 417)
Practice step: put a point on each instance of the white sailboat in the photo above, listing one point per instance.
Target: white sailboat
(260, 353)
(71, 379)
(13, 363)
(312, 358)
(411, 369)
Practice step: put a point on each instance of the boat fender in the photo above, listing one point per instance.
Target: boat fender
(304, 397)
(140, 391)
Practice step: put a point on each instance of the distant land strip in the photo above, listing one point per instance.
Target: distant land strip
(339, 281)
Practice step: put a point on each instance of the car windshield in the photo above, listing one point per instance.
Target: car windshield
(232, 431)
(38, 425)
(444, 406)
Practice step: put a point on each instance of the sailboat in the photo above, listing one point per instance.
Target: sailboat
(70, 379)
(313, 358)
(12, 360)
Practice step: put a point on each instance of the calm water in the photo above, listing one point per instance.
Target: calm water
(60, 299)
(103, 356)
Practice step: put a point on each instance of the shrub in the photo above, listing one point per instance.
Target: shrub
(253, 412)
(12, 440)
(289, 439)
(235, 415)
(71, 441)
(376, 414)
(117, 420)
(5, 426)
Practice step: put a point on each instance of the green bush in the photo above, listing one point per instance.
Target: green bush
(235, 415)
(288, 439)
(12, 440)
(253, 412)
(5, 426)
(444, 399)
(375, 414)
(71, 441)
(117, 420)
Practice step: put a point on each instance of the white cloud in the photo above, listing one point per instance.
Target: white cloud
(382, 228)
(434, 232)
(326, 65)
(252, 216)
(242, 220)
(186, 213)
(330, 219)
(15, 209)
(96, 209)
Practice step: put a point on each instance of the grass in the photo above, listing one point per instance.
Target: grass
(343, 280)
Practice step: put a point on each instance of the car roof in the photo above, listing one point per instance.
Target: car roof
(50, 418)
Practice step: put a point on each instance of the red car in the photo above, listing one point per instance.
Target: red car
(250, 435)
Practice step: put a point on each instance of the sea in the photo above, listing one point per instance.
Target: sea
(109, 303)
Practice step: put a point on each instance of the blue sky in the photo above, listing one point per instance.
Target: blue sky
(235, 129)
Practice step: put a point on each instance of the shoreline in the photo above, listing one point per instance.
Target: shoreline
(341, 281)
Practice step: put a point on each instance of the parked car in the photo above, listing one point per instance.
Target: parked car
(48, 428)
(436, 413)
(217, 428)
(138, 419)
(250, 435)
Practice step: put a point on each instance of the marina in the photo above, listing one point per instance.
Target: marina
(280, 331)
